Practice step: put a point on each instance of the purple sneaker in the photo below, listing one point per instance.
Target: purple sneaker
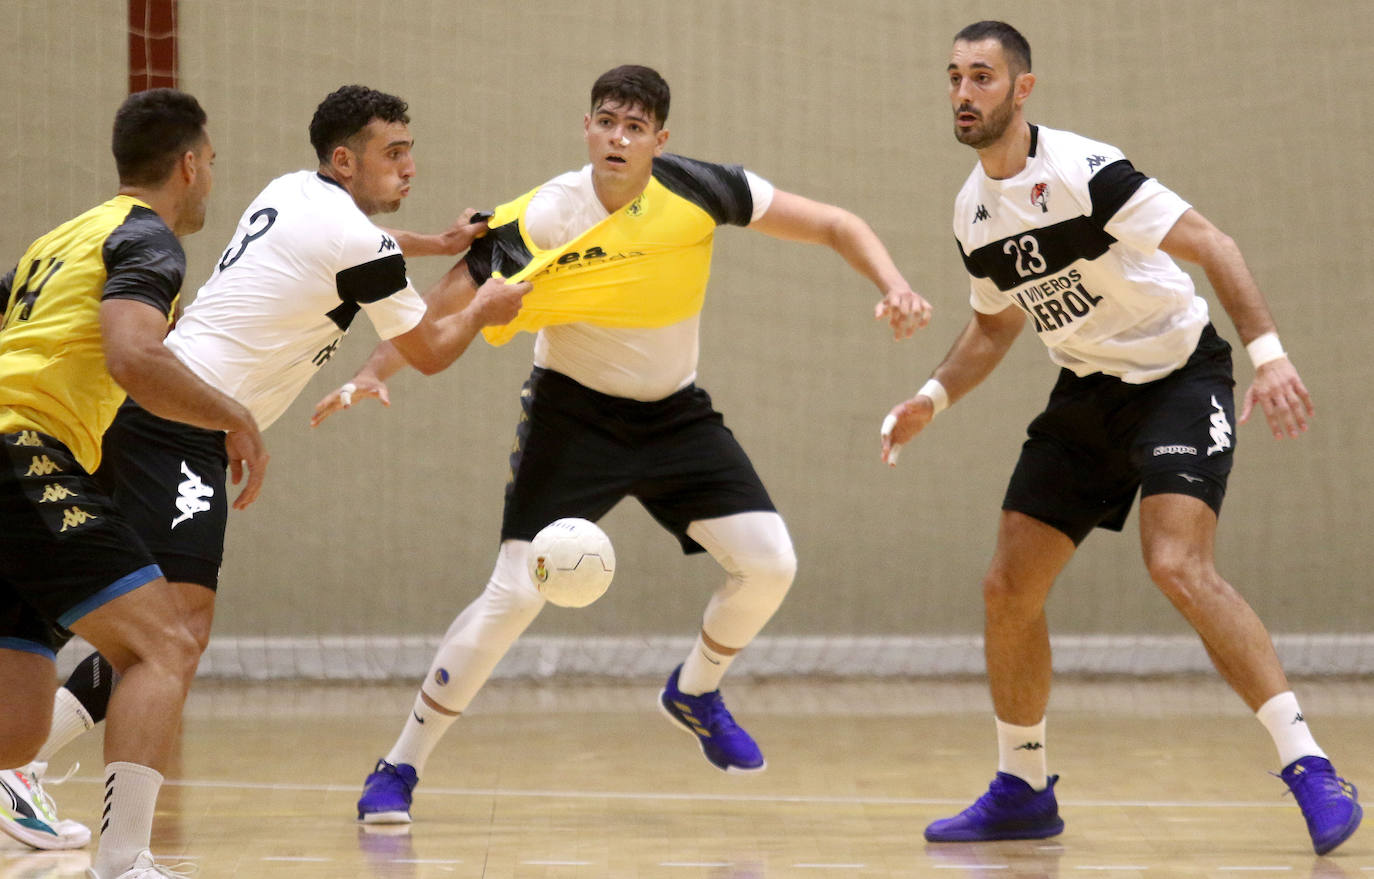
(1328, 802)
(725, 745)
(386, 794)
(1009, 810)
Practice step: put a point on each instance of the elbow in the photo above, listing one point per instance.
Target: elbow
(429, 366)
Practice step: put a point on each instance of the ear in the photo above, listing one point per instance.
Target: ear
(662, 138)
(1024, 83)
(587, 127)
(343, 162)
(187, 166)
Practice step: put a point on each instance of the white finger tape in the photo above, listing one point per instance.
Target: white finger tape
(346, 393)
(888, 423)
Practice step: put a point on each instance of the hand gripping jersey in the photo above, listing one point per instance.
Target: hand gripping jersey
(617, 296)
(303, 261)
(53, 377)
(1073, 240)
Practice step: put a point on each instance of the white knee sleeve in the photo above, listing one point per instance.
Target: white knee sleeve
(756, 552)
(484, 631)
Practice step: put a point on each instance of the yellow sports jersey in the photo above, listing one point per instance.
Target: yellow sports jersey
(645, 265)
(53, 377)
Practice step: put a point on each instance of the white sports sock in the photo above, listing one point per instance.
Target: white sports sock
(127, 825)
(1021, 752)
(421, 734)
(69, 720)
(1283, 719)
(703, 669)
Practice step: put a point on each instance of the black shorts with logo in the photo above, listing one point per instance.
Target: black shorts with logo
(578, 452)
(169, 480)
(1100, 439)
(65, 549)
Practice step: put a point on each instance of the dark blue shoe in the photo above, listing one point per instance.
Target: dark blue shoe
(1328, 802)
(725, 745)
(1009, 810)
(386, 794)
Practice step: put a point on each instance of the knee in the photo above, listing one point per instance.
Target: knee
(1007, 596)
(1179, 575)
(510, 591)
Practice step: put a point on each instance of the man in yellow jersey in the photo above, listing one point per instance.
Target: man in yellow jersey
(86, 310)
(619, 253)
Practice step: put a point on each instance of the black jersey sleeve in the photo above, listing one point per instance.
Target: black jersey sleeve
(720, 190)
(6, 290)
(500, 250)
(1110, 188)
(144, 261)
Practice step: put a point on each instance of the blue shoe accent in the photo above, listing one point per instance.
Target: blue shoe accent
(725, 745)
(1009, 810)
(1328, 802)
(386, 794)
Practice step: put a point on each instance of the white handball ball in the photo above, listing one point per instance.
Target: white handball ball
(571, 562)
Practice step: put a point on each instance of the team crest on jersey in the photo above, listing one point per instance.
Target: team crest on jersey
(1040, 195)
(636, 207)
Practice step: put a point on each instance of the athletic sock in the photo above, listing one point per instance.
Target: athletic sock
(423, 729)
(69, 720)
(1021, 752)
(126, 828)
(1283, 719)
(703, 669)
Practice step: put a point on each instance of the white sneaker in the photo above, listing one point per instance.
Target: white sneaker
(29, 815)
(144, 868)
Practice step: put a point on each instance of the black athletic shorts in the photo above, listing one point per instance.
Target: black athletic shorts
(169, 480)
(1100, 439)
(65, 549)
(578, 452)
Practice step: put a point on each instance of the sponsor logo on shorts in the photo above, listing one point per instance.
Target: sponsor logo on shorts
(75, 517)
(1175, 450)
(42, 465)
(191, 496)
(1220, 430)
(27, 438)
(53, 493)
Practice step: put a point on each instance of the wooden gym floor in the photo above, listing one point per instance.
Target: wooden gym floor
(583, 778)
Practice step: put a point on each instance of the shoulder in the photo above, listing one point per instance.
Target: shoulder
(1074, 157)
(723, 191)
(144, 239)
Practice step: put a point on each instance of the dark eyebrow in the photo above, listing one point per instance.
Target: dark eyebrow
(983, 65)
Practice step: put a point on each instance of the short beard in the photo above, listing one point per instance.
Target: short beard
(994, 125)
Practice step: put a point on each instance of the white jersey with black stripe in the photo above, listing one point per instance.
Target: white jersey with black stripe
(303, 261)
(1073, 240)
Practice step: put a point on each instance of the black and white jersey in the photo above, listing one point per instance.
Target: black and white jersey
(1073, 240)
(636, 363)
(302, 263)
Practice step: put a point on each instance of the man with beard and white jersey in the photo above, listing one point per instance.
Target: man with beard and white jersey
(305, 259)
(619, 253)
(1064, 231)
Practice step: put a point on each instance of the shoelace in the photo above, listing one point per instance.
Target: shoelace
(179, 871)
(45, 799)
(1319, 782)
(718, 718)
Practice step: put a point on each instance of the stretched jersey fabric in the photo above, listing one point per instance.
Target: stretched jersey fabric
(645, 265)
(1073, 240)
(303, 262)
(53, 376)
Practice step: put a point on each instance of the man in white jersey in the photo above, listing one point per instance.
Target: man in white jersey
(1062, 232)
(305, 259)
(612, 408)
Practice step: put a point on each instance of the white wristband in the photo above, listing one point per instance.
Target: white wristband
(937, 394)
(1264, 349)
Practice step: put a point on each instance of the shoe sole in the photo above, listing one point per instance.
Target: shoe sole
(1038, 833)
(1356, 817)
(678, 724)
(47, 842)
(383, 817)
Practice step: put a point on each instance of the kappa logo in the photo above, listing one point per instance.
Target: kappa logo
(191, 496)
(1040, 194)
(53, 493)
(27, 438)
(75, 517)
(42, 465)
(1175, 450)
(980, 214)
(388, 243)
(1220, 429)
(1030, 746)
(1095, 162)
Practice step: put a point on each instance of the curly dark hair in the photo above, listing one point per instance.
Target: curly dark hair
(341, 116)
(1014, 46)
(153, 129)
(634, 86)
